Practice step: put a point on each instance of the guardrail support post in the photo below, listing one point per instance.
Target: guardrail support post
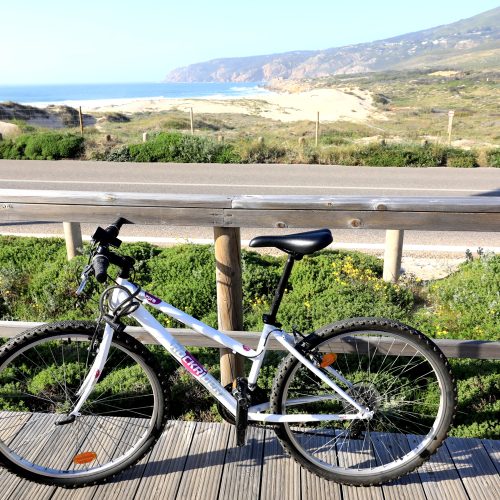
(229, 295)
(393, 254)
(73, 237)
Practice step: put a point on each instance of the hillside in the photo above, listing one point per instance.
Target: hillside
(472, 43)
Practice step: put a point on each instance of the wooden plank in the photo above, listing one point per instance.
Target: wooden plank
(452, 348)
(368, 203)
(167, 461)
(464, 214)
(408, 486)
(428, 221)
(468, 204)
(11, 423)
(439, 477)
(204, 466)
(280, 474)
(479, 476)
(28, 489)
(493, 449)
(102, 198)
(105, 214)
(349, 456)
(41, 450)
(313, 486)
(243, 466)
(115, 442)
(125, 485)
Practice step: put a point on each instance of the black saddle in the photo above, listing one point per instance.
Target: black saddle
(298, 244)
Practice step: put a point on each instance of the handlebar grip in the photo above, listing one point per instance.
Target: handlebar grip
(114, 229)
(101, 264)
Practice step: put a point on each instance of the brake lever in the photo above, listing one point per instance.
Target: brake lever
(84, 278)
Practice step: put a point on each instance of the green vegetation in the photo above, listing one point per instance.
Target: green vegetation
(182, 148)
(37, 284)
(493, 158)
(175, 147)
(466, 304)
(42, 146)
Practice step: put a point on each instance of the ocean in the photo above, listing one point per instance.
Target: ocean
(26, 94)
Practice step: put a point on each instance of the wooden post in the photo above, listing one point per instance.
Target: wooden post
(450, 125)
(144, 137)
(81, 119)
(229, 295)
(192, 120)
(393, 254)
(317, 130)
(73, 237)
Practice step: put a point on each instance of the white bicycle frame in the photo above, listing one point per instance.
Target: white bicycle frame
(195, 368)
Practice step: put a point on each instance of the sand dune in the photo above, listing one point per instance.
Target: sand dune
(332, 104)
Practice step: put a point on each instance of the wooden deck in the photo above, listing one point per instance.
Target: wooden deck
(195, 460)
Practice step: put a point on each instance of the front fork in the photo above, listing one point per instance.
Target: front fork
(93, 375)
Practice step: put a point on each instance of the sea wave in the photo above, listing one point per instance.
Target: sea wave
(256, 89)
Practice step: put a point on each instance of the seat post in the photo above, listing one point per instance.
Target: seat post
(270, 319)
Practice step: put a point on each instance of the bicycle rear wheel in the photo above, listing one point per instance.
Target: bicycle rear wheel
(40, 374)
(388, 367)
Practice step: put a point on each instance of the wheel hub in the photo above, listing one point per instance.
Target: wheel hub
(365, 394)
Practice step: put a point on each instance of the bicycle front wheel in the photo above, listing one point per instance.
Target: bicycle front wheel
(385, 366)
(41, 372)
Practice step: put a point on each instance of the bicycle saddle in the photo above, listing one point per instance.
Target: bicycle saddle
(298, 243)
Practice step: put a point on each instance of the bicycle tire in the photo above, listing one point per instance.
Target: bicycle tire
(411, 419)
(40, 373)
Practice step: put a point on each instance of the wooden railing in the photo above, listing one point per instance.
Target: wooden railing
(452, 348)
(226, 214)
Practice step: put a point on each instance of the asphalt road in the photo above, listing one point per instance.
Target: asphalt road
(259, 179)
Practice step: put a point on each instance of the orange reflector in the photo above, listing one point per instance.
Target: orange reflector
(328, 359)
(85, 458)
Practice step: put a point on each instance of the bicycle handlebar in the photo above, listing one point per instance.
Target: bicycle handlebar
(100, 263)
(103, 256)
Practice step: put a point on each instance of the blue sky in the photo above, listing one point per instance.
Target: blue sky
(60, 41)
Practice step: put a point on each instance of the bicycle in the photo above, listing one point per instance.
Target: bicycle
(361, 401)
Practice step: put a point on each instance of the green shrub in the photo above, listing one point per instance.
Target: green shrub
(333, 138)
(466, 304)
(165, 147)
(493, 158)
(385, 155)
(42, 146)
(478, 407)
(460, 158)
(185, 276)
(118, 154)
(262, 152)
(335, 285)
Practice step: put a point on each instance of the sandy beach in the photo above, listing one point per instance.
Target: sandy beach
(332, 104)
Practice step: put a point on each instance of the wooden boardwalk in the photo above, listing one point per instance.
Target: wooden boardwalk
(195, 460)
